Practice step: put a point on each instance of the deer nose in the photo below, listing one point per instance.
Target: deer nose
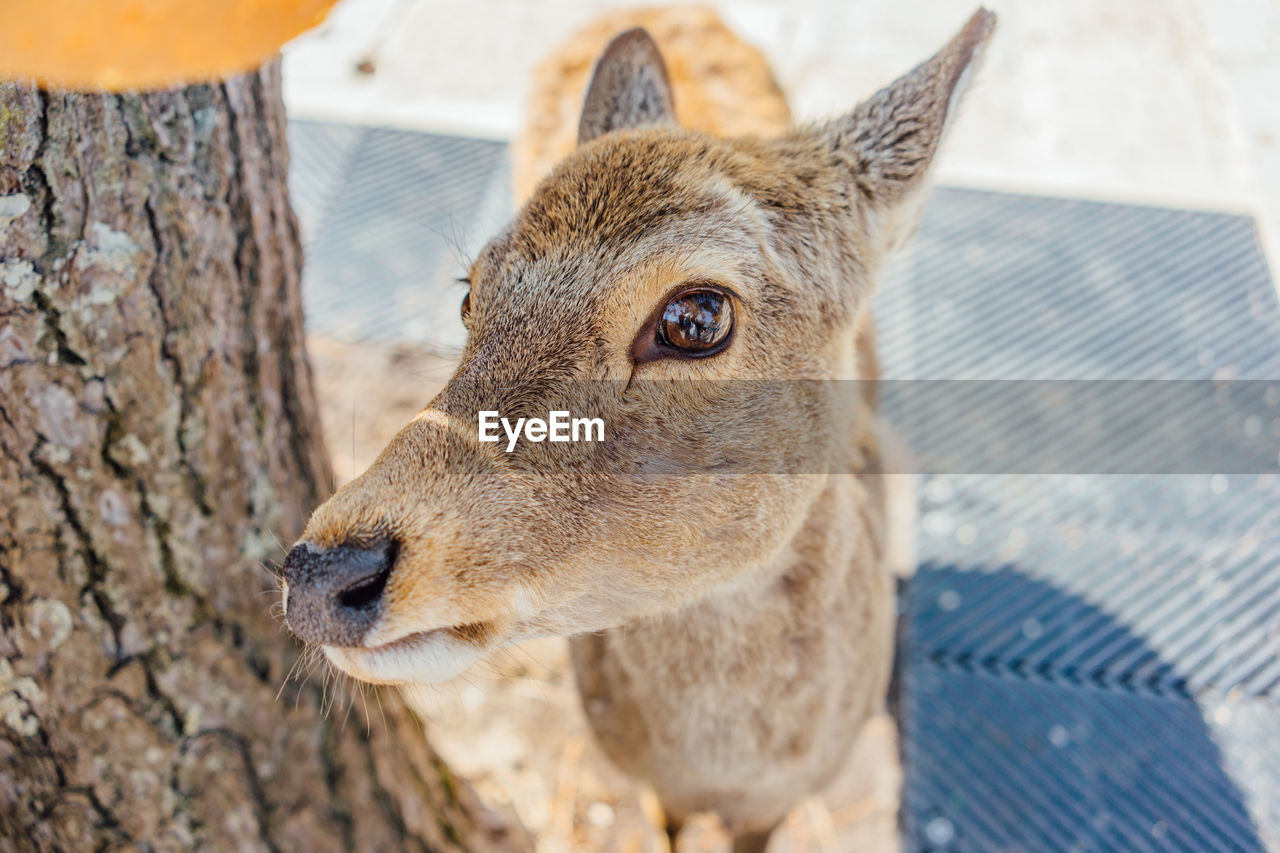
(335, 594)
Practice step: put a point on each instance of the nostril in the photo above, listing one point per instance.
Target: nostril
(367, 592)
(335, 593)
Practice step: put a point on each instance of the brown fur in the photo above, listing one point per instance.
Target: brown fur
(732, 633)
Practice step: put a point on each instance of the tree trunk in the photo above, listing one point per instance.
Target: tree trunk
(158, 441)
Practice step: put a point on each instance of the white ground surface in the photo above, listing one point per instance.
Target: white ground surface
(1173, 102)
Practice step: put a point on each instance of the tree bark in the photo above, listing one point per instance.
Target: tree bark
(159, 440)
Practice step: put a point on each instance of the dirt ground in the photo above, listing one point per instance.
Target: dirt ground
(513, 724)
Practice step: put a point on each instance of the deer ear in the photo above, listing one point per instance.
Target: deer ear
(890, 139)
(629, 88)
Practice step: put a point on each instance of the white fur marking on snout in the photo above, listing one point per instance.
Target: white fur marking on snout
(522, 602)
(419, 659)
(434, 416)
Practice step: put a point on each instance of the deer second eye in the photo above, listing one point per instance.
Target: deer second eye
(696, 322)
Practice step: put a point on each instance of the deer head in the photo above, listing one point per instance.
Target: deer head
(652, 265)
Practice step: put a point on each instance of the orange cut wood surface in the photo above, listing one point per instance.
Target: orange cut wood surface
(140, 44)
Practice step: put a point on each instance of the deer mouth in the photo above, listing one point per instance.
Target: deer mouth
(422, 657)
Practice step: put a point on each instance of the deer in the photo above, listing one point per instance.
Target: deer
(731, 631)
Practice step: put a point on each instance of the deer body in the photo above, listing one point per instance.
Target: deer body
(731, 632)
(735, 703)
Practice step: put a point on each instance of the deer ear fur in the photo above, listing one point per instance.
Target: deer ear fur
(629, 88)
(890, 139)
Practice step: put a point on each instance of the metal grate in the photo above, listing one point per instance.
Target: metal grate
(1082, 651)
(1000, 764)
(389, 220)
(1091, 662)
(1023, 287)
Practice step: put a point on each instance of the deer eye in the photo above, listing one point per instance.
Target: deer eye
(696, 322)
(466, 306)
